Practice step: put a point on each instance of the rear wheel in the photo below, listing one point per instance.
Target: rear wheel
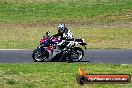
(77, 54)
(38, 56)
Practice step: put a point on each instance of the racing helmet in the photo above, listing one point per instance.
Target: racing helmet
(61, 27)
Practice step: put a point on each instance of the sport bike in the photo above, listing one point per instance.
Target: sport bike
(48, 50)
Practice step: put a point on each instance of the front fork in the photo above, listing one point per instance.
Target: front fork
(41, 50)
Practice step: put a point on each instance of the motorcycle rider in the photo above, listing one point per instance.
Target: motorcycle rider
(65, 36)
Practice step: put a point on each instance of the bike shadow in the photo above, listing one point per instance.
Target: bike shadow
(69, 62)
(81, 61)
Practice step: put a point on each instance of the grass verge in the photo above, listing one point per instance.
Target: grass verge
(28, 38)
(50, 11)
(73, 12)
(56, 75)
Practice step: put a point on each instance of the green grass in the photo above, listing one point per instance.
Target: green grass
(71, 11)
(56, 75)
(28, 38)
(23, 22)
(19, 18)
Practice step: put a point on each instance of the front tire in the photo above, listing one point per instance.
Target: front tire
(38, 57)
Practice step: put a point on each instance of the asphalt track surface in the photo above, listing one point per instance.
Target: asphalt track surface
(111, 56)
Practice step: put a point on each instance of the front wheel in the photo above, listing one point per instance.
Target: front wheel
(39, 56)
(77, 54)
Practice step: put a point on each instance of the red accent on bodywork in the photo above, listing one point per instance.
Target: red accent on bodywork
(55, 40)
(50, 48)
(42, 40)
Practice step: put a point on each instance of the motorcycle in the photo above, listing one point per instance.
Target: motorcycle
(50, 51)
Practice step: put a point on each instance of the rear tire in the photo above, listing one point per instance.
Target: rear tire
(78, 51)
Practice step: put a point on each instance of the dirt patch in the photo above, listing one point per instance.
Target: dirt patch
(69, 24)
